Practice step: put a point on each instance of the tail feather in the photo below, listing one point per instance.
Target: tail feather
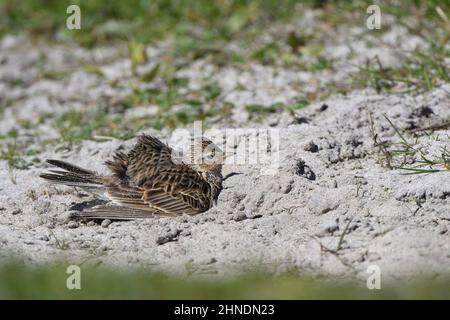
(114, 213)
(69, 167)
(75, 177)
(72, 175)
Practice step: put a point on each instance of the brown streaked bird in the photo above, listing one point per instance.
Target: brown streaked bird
(147, 181)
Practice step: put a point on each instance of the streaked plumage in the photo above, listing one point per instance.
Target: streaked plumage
(147, 181)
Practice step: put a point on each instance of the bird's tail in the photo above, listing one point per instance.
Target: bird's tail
(72, 175)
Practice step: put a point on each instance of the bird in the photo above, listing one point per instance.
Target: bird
(148, 180)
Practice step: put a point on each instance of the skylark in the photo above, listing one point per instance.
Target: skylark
(148, 181)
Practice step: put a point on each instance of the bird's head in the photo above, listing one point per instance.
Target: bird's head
(207, 156)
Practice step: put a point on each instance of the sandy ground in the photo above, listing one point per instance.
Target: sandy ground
(331, 178)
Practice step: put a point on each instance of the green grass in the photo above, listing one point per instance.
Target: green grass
(422, 163)
(13, 152)
(49, 282)
(77, 126)
(426, 164)
(405, 154)
(419, 73)
(10, 152)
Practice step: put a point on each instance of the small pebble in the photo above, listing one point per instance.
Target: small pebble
(186, 233)
(171, 236)
(17, 211)
(106, 223)
(323, 107)
(73, 225)
(91, 223)
(241, 217)
(304, 170)
(331, 228)
(311, 147)
(442, 229)
(300, 120)
(288, 188)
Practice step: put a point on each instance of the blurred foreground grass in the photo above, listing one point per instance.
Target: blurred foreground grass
(19, 282)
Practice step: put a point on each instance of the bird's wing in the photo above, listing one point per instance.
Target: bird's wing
(151, 150)
(178, 203)
(177, 189)
(148, 157)
(180, 194)
(128, 197)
